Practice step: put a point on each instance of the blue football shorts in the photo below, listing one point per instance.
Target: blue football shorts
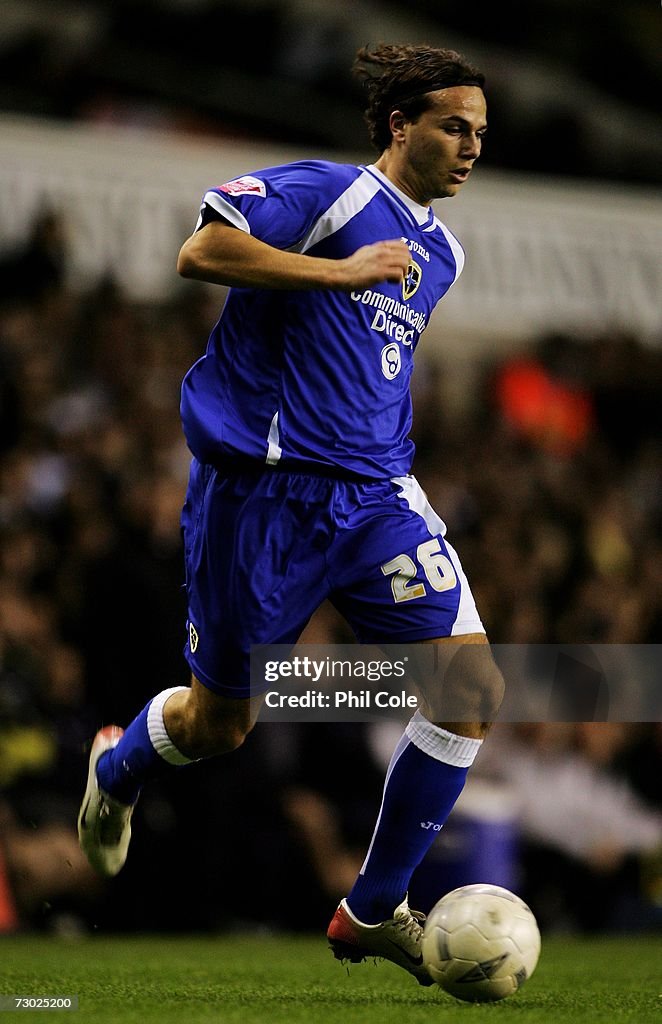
(264, 549)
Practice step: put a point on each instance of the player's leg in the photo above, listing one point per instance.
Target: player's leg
(426, 775)
(200, 723)
(253, 577)
(430, 763)
(178, 726)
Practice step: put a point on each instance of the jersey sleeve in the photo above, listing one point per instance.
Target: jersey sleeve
(278, 204)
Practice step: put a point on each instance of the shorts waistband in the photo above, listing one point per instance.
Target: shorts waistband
(235, 465)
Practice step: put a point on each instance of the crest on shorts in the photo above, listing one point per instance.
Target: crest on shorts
(411, 280)
(192, 637)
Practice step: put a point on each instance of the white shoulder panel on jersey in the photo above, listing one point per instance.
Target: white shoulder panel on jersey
(225, 210)
(456, 248)
(421, 214)
(352, 201)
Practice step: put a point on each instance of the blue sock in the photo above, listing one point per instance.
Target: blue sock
(424, 779)
(144, 752)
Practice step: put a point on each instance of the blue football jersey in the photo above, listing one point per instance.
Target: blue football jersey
(318, 380)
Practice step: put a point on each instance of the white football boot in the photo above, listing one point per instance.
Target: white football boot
(104, 824)
(399, 939)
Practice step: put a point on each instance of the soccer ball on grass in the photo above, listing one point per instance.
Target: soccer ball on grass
(481, 943)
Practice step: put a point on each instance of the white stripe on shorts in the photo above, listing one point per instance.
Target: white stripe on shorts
(417, 499)
(467, 619)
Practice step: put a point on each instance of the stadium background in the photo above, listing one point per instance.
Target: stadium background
(538, 433)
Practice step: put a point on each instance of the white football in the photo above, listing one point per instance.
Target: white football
(481, 943)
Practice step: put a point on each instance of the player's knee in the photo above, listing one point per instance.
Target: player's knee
(479, 683)
(231, 735)
(492, 688)
(465, 686)
(210, 725)
(220, 733)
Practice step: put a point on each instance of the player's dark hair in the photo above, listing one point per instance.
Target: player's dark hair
(399, 77)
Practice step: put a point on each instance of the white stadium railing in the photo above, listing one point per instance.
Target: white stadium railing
(542, 254)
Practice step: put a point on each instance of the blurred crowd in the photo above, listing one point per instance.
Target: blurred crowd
(550, 481)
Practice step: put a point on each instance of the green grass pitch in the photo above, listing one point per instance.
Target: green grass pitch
(295, 980)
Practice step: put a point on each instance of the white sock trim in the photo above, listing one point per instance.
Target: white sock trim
(445, 746)
(353, 917)
(158, 733)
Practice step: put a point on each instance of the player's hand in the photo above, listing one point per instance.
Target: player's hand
(380, 261)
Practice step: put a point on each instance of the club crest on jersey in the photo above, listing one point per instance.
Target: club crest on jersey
(245, 184)
(412, 280)
(391, 361)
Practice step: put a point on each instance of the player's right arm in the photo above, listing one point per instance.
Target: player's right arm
(222, 254)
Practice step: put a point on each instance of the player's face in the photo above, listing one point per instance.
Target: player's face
(439, 148)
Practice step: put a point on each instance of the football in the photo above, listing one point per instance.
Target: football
(481, 943)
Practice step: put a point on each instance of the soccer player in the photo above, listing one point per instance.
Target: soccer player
(298, 418)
